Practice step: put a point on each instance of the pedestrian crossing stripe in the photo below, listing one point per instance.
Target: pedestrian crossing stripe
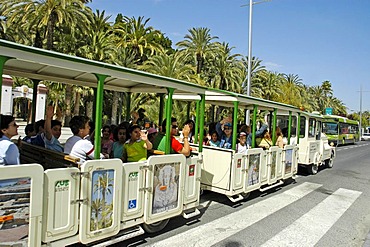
(224, 227)
(324, 215)
(316, 222)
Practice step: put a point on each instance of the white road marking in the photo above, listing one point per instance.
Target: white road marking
(309, 229)
(222, 228)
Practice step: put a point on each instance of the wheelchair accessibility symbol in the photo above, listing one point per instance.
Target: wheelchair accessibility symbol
(131, 204)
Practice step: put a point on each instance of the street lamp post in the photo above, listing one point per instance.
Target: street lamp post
(251, 3)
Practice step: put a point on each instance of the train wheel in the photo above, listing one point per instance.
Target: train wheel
(155, 227)
(246, 195)
(313, 169)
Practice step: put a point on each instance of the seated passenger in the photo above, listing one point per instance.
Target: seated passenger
(80, 147)
(265, 141)
(39, 128)
(120, 135)
(9, 153)
(279, 138)
(106, 142)
(259, 133)
(224, 130)
(191, 133)
(53, 130)
(30, 133)
(214, 142)
(242, 147)
(135, 149)
(176, 146)
(152, 133)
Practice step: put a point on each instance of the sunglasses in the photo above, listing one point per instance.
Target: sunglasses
(227, 128)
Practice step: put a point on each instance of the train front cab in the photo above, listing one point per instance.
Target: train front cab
(314, 148)
(234, 174)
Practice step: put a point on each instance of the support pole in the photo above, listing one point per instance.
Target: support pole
(168, 120)
(196, 127)
(201, 117)
(98, 111)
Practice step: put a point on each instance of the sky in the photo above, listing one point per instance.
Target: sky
(317, 40)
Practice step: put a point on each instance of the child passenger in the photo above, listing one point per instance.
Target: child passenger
(242, 146)
(214, 142)
(120, 135)
(135, 149)
(79, 146)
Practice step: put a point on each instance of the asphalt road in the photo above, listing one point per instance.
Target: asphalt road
(331, 208)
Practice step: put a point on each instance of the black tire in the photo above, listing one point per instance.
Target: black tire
(313, 169)
(246, 195)
(155, 227)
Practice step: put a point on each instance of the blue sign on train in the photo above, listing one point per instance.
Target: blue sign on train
(131, 204)
(328, 111)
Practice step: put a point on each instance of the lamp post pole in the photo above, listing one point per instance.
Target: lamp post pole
(249, 76)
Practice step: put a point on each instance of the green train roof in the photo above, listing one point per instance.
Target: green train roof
(55, 66)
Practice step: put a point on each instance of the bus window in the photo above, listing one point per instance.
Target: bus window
(330, 128)
(311, 127)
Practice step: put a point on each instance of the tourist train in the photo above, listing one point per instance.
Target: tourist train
(103, 201)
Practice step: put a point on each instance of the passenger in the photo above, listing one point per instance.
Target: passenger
(242, 147)
(176, 146)
(106, 142)
(191, 133)
(91, 137)
(30, 133)
(266, 141)
(135, 149)
(39, 128)
(279, 138)
(80, 147)
(112, 128)
(9, 153)
(224, 130)
(214, 142)
(140, 119)
(78, 126)
(158, 138)
(152, 133)
(120, 135)
(259, 133)
(53, 130)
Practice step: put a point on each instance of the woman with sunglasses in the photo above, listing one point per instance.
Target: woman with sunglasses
(9, 153)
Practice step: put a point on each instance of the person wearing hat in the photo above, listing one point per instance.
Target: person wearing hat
(224, 129)
(242, 147)
(152, 133)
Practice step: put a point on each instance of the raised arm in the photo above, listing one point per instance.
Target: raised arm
(49, 117)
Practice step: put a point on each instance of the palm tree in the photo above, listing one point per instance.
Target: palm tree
(135, 34)
(271, 82)
(257, 68)
(46, 16)
(227, 69)
(197, 45)
(290, 90)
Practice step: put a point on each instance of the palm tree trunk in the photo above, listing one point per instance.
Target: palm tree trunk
(68, 100)
(114, 107)
(76, 110)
